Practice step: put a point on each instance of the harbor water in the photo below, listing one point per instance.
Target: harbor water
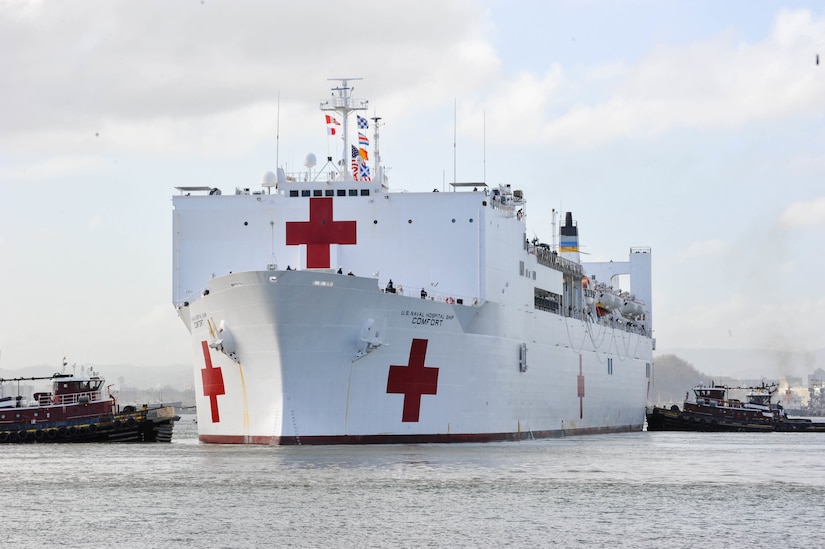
(627, 490)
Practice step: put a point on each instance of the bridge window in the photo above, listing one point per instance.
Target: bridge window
(546, 301)
(317, 192)
(305, 192)
(328, 192)
(365, 192)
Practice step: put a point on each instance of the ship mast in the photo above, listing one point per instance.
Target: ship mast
(343, 104)
(376, 155)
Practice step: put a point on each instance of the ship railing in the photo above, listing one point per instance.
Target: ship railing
(508, 205)
(191, 297)
(551, 258)
(338, 102)
(506, 208)
(442, 297)
(77, 398)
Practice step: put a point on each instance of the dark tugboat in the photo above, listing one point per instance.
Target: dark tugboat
(713, 410)
(76, 410)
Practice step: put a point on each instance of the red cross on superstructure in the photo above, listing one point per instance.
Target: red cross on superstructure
(212, 383)
(413, 380)
(319, 232)
(581, 389)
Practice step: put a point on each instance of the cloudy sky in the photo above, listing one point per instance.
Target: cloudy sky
(695, 128)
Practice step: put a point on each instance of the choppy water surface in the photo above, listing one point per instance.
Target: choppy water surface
(632, 490)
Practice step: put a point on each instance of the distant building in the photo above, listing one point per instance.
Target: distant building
(816, 392)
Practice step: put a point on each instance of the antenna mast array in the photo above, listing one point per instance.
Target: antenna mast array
(344, 103)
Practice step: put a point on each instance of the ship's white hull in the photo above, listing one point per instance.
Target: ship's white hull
(300, 371)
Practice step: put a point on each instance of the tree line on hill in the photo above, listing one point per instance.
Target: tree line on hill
(672, 377)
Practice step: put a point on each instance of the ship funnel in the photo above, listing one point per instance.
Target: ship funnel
(569, 240)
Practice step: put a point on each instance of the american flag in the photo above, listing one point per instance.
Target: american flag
(362, 122)
(355, 157)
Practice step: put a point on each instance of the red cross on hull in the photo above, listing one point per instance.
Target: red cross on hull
(319, 233)
(212, 383)
(413, 380)
(580, 380)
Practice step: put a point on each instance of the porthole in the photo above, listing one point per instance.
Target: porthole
(409, 221)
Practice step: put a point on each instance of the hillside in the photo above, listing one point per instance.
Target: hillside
(673, 377)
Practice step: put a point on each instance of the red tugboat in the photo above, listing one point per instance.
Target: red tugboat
(712, 409)
(76, 410)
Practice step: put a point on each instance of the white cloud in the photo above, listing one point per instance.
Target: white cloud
(716, 84)
(95, 222)
(520, 99)
(706, 249)
(155, 74)
(743, 321)
(57, 166)
(804, 214)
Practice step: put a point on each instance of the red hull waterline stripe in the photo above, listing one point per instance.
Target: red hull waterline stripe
(412, 439)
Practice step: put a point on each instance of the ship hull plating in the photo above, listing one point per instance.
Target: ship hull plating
(314, 357)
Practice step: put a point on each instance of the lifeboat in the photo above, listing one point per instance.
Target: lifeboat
(607, 300)
(632, 308)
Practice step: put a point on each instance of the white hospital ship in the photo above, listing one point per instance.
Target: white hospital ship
(324, 308)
